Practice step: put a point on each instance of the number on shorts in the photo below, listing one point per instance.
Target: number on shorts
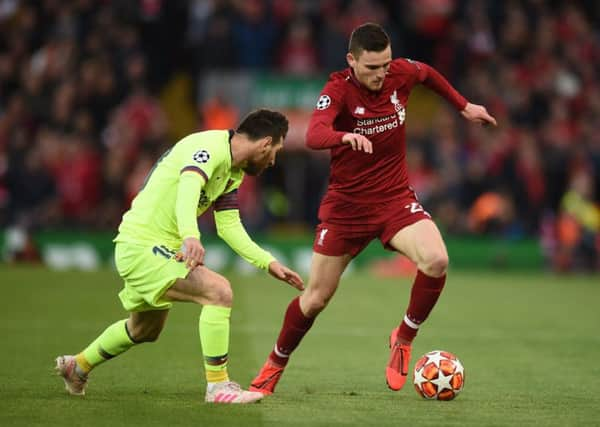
(163, 251)
(416, 207)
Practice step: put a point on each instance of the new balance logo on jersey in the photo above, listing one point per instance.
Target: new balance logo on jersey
(416, 207)
(322, 236)
(359, 110)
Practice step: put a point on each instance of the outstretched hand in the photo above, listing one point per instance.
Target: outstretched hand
(281, 272)
(478, 114)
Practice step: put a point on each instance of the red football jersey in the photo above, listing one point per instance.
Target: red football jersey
(347, 106)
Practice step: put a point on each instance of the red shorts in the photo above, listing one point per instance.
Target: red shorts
(348, 227)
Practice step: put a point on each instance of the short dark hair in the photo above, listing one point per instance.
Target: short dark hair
(370, 37)
(262, 123)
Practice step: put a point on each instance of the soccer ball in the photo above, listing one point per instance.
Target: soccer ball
(439, 375)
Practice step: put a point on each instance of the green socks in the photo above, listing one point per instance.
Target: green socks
(214, 339)
(112, 342)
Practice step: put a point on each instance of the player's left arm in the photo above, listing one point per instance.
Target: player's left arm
(232, 231)
(431, 78)
(478, 114)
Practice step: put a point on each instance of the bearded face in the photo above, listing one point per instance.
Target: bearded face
(263, 158)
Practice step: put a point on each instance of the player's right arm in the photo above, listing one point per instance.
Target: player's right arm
(358, 142)
(320, 134)
(191, 181)
(196, 164)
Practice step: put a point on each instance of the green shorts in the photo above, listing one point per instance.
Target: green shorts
(148, 271)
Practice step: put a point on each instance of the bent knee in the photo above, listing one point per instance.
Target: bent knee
(314, 303)
(436, 264)
(220, 292)
(224, 295)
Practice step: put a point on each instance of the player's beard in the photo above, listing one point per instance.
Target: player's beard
(253, 169)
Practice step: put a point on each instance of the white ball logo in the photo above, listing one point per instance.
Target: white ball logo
(201, 156)
(323, 102)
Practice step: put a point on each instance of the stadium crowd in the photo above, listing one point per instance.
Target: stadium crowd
(82, 116)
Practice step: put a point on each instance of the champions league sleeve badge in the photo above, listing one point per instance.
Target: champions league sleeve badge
(323, 102)
(201, 156)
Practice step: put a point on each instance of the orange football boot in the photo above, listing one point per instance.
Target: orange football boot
(267, 379)
(397, 367)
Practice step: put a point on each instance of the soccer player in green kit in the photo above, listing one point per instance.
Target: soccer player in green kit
(159, 253)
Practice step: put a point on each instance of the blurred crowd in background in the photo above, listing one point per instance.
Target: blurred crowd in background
(92, 92)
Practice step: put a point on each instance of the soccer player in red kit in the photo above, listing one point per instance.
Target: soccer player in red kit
(360, 116)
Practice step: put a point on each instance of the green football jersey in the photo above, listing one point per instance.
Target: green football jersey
(183, 184)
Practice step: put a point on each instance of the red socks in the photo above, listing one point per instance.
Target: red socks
(295, 326)
(424, 294)
(423, 297)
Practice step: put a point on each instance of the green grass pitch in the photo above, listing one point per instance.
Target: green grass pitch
(530, 345)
